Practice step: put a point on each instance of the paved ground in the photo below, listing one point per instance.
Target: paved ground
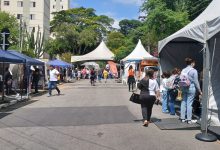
(89, 118)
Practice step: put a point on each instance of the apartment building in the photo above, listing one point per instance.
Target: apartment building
(58, 5)
(32, 13)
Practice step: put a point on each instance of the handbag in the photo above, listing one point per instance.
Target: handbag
(135, 98)
(179, 96)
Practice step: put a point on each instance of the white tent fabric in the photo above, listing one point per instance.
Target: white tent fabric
(91, 64)
(189, 42)
(139, 53)
(100, 53)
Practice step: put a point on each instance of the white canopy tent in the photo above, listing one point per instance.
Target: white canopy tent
(139, 53)
(91, 65)
(189, 42)
(100, 53)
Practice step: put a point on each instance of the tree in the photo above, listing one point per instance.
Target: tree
(10, 22)
(162, 19)
(127, 25)
(79, 30)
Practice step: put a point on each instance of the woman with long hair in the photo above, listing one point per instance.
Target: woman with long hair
(131, 79)
(150, 92)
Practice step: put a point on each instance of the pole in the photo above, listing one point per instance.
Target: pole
(3, 82)
(20, 34)
(3, 44)
(205, 136)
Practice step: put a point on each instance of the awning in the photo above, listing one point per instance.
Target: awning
(59, 63)
(7, 57)
(28, 60)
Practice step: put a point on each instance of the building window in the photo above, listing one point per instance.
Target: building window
(19, 3)
(19, 16)
(33, 4)
(6, 3)
(61, 0)
(32, 16)
(53, 6)
(62, 7)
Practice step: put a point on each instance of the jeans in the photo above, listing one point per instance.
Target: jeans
(172, 99)
(51, 85)
(186, 104)
(164, 101)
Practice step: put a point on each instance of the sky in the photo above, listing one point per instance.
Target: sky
(116, 9)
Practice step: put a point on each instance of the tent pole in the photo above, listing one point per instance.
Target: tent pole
(204, 135)
(3, 82)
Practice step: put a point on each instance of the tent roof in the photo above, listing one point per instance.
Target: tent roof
(139, 53)
(90, 64)
(195, 29)
(28, 60)
(7, 57)
(59, 63)
(100, 53)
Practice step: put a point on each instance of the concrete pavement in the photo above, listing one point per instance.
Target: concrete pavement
(89, 118)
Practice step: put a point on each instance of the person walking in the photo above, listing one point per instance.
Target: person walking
(150, 92)
(189, 92)
(131, 79)
(105, 75)
(100, 75)
(92, 76)
(53, 77)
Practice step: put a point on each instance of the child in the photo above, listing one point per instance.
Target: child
(164, 91)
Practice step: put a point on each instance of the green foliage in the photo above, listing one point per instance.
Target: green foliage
(10, 22)
(128, 26)
(66, 57)
(78, 30)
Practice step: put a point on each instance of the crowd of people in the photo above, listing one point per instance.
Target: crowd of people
(176, 85)
(182, 85)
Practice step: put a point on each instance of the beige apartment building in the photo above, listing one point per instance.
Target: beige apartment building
(58, 5)
(32, 13)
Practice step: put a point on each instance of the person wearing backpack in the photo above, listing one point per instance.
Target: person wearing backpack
(172, 83)
(189, 84)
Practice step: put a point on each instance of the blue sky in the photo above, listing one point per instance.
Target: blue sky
(116, 9)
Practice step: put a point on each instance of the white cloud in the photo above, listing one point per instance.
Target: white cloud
(129, 2)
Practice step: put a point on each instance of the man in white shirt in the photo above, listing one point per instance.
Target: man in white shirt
(53, 74)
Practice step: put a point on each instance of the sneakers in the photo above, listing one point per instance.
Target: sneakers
(191, 121)
(183, 120)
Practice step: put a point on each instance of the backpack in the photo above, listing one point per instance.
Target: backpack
(184, 79)
(169, 84)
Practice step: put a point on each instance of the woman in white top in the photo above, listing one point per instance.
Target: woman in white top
(150, 92)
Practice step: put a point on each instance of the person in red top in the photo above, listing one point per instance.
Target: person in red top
(131, 79)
